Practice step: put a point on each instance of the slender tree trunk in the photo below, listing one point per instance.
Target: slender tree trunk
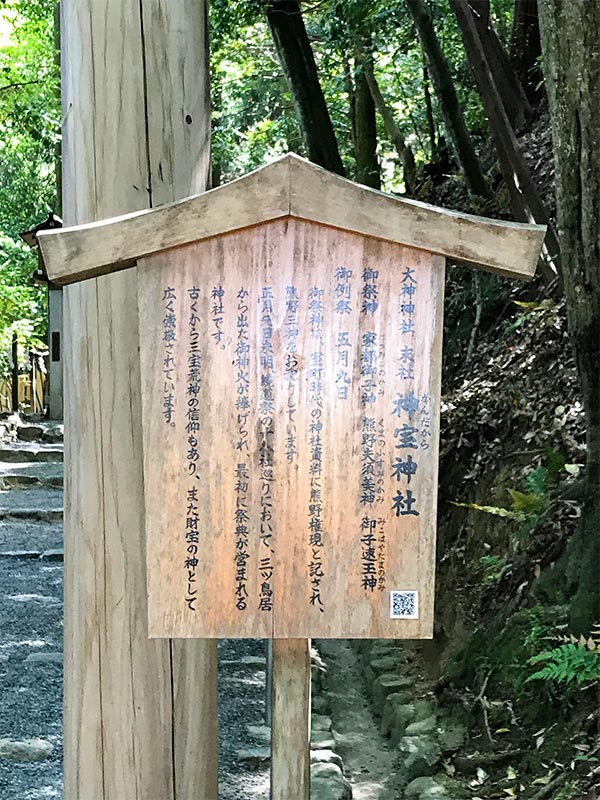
(298, 63)
(404, 152)
(413, 121)
(514, 99)
(569, 30)
(526, 201)
(349, 84)
(15, 372)
(444, 86)
(526, 48)
(58, 143)
(365, 122)
(429, 110)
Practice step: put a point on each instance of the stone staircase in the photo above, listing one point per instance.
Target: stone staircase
(31, 580)
(31, 606)
(31, 657)
(31, 498)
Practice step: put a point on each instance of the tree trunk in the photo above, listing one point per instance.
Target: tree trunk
(444, 86)
(514, 99)
(140, 714)
(527, 204)
(365, 123)
(405, 154)
(429, 110)
(349, 85)
(569, 30)
(298, 63)
(526, 48)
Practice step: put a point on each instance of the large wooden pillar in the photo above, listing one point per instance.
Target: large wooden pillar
(140, 714)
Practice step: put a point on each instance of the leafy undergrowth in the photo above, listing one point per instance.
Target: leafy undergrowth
(512, 450)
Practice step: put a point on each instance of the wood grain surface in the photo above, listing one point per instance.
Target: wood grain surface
(290, 770)
(333, 463)
(140, 715)
(292, 187)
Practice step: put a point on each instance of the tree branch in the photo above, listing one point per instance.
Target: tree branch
(16, 85)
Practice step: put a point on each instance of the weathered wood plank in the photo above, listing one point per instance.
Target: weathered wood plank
(290, 754)
(167, 481)
(260, 196)
(283, 467)
(293, 187)
(506, 248)
(120, 687)
(357, 436)
(83, 754)
(178, 109)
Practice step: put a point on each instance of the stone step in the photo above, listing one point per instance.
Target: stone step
(27, 535)
(45, 475)
(19, 452)
(26, 749)
(50, 432)
(20, 554)
(252, 663)
(18, 481)
(33, 514)
(56, 554)
(24, 481)
(41, 505)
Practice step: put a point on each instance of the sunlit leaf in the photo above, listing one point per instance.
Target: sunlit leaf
(482, 775)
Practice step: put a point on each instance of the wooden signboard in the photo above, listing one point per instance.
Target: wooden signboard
(290, 389)
(290, 344)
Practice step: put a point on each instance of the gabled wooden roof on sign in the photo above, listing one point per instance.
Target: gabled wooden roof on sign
(290, 187)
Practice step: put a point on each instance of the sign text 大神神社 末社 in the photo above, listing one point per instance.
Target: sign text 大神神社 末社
(290, 345)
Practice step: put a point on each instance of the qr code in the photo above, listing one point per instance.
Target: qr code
(404, 605)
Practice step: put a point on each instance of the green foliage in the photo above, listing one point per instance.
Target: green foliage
(253, 114)
(527, 508)
(507, 646)
(490, 568)
(566, 664)
(22, 305)
(497, 511)
(29, 113)
(29, 133)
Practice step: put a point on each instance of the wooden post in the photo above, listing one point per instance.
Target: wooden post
(140, 715)
(290, 745)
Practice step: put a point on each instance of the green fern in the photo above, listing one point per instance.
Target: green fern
(537, 481)
(497, 511)
(527, 508)
(567, 664)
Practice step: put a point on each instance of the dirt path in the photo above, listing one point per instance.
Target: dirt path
(369, 762)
